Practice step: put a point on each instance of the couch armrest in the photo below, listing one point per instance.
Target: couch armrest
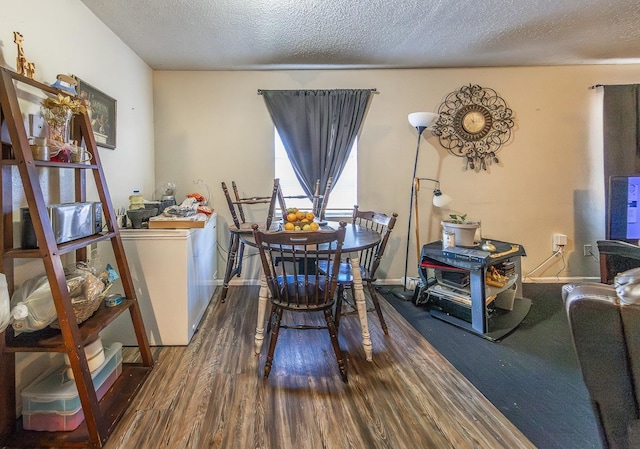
(591, 290)
(628, 286)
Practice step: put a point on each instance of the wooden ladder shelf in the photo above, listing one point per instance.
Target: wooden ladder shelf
(100, 416)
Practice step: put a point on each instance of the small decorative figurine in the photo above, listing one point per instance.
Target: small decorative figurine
(31, 69)
(23, 66)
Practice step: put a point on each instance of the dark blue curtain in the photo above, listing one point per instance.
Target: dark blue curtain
(317, 128)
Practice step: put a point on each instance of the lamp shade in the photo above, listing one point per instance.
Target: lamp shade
(440, 199)
(422, 119)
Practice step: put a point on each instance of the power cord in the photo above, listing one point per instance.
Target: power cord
(556, 253)
(594, 256)
(564, 262)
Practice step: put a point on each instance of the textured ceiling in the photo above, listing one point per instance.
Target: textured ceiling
(309, 34)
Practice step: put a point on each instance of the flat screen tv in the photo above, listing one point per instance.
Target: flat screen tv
(623, 214)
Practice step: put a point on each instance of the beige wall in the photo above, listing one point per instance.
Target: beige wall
(213, 126)
(64, 36)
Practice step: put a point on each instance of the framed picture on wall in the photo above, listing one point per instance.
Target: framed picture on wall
(102, 113)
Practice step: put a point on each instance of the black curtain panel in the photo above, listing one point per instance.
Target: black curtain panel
(621, 122)
(317, 128)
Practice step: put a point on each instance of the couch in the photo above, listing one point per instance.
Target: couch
(605, 327)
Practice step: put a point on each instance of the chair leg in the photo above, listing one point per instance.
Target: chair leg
(273, 341)
(234, 263)
(338, 312)
(234, 242)
(376, 304)
(272, 316)
(333, 334)
(239, 258)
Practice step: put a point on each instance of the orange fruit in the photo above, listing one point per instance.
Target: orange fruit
(310, 216)
(288, 226)
(304, 220)
(314, 226)
(300, 215)
(292, 217)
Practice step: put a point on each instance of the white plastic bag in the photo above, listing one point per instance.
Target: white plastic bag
(32, 305)
(5, 303)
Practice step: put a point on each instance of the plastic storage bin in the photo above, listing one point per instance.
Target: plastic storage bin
(53, 403)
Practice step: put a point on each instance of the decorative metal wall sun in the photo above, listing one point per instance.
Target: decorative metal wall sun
(474, 123)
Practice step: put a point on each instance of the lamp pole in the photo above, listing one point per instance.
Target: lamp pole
(420, 121)
(415, 167)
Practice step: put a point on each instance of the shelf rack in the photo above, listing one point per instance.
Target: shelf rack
(100, 416)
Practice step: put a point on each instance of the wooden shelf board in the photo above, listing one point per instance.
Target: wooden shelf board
(51, 340)
(52, 164)
(63, 248)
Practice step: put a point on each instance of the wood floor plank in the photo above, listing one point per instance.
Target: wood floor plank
(211, 394)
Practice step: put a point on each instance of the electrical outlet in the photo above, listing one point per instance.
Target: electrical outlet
(588, 250)
(559, 241)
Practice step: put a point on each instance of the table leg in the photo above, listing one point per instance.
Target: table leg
(478, 301)
(263, 297)
(361, 305)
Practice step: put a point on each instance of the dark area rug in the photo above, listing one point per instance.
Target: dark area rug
(532, 376)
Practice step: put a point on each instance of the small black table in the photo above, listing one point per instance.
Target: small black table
(492, 326)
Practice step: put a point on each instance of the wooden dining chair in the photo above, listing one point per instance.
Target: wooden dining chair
(237, 205)
(315, 200)
(320, 202)
(295, 285)
(282, 200)
(369, 262)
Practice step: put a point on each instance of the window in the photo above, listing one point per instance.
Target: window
(345, 191)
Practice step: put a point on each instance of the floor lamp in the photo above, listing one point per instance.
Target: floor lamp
(420, 121)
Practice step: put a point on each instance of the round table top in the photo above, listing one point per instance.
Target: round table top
(356, 238)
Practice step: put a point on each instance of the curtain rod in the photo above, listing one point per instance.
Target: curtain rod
(596, 85)
(261, 91)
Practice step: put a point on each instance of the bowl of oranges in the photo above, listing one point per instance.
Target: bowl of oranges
(298, 220)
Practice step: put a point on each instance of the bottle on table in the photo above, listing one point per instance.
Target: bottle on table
(136, 201)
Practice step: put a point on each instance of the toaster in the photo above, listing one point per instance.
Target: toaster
(69, 221)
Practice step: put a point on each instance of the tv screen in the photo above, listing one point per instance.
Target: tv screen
(624, 216)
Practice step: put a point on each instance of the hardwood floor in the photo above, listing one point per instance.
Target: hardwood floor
(211, 394)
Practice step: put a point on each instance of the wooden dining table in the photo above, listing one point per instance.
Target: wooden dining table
(356, 239)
